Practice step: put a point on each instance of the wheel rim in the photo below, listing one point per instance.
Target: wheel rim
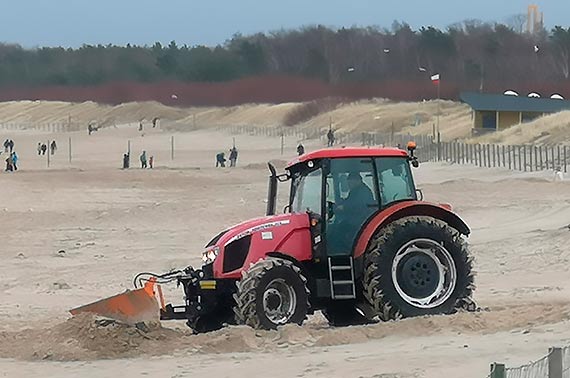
(424, 273)
(279, 301)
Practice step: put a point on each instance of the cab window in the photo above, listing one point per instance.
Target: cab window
(307, 192)
(395, 180)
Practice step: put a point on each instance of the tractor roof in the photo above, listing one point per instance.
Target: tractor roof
(348, 152)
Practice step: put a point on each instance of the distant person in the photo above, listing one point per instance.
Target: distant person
(44, 148)
(15, 158)
(39, 148)
(140, 126)
(300, 149)
(154, 122)
(143, 160)
(126, 161)
(90, 128)
(233, 156)
(151, 162)
(11, 145)
(221, 159)
(330, 137)
(9, 164)
(6, 145)
(53, 147)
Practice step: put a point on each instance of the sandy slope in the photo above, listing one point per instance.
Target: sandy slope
(372, 116)
(551, 129)
(375, 115)
(112, 224)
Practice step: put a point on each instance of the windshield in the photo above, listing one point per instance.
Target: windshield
(307, 191)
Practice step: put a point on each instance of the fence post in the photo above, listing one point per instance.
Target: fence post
(519, 153)
(504, 162)
(479, 153)
(555, 363)
(553, 160)
(524, 156)
(282, 143)
(69, 149)
(497, 370)
(530, 157)
(541, 161)
(509, 152)
(48, 151)
(546, 158)
(558, 150)
(455, 150)
(565, 161)
(172, 147)
(494, 155)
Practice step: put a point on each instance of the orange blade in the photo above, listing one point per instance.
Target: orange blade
(130, 307)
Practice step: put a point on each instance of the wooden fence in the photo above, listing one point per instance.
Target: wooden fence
(50, 127)
(526, 157)
(556, 364)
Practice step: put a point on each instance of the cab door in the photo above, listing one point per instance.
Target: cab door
(352, 197)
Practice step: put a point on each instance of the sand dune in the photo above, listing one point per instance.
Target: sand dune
(551, 129)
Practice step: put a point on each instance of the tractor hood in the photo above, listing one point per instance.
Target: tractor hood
(264, 224)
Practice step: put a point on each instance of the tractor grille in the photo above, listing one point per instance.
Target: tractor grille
(235, 253)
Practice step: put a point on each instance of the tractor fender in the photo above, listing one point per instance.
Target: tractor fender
(404, 209)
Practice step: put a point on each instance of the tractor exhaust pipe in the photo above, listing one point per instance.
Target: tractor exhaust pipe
(272, 191)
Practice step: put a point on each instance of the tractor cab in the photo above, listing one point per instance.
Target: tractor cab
(342, 188)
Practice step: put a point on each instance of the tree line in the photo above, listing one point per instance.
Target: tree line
(471, 54)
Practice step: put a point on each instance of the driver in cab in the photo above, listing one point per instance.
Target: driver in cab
(349, 215)
(359, 196)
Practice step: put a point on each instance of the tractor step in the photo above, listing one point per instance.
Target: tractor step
(341, 277)
(341, 267)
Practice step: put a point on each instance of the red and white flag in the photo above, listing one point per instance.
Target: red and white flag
(435, 79)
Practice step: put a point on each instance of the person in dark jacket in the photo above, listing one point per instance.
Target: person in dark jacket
(143, 160)
(233, 156)
(221, 159)
(300, 149)
(126, 161)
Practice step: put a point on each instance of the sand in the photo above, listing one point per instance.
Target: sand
(80, 231)
(373, 116)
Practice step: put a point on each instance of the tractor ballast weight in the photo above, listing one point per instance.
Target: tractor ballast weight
(354, 241)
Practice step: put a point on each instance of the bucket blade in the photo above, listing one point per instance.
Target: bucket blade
(131, 307)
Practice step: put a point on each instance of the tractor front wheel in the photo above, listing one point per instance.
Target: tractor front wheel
(272, 292)
(417, 266)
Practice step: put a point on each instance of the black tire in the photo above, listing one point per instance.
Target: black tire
(343, 314)
(388, 298)
(256, 282)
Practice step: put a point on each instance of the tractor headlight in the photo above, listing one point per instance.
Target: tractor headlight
(209, 255)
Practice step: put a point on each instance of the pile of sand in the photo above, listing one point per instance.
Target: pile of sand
(87, 337)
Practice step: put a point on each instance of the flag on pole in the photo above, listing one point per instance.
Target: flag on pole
(435, 79)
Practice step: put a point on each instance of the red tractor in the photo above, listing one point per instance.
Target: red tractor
(355, 241)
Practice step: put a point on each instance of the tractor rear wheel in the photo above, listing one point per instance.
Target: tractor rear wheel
(272, 292)
(417, 266)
